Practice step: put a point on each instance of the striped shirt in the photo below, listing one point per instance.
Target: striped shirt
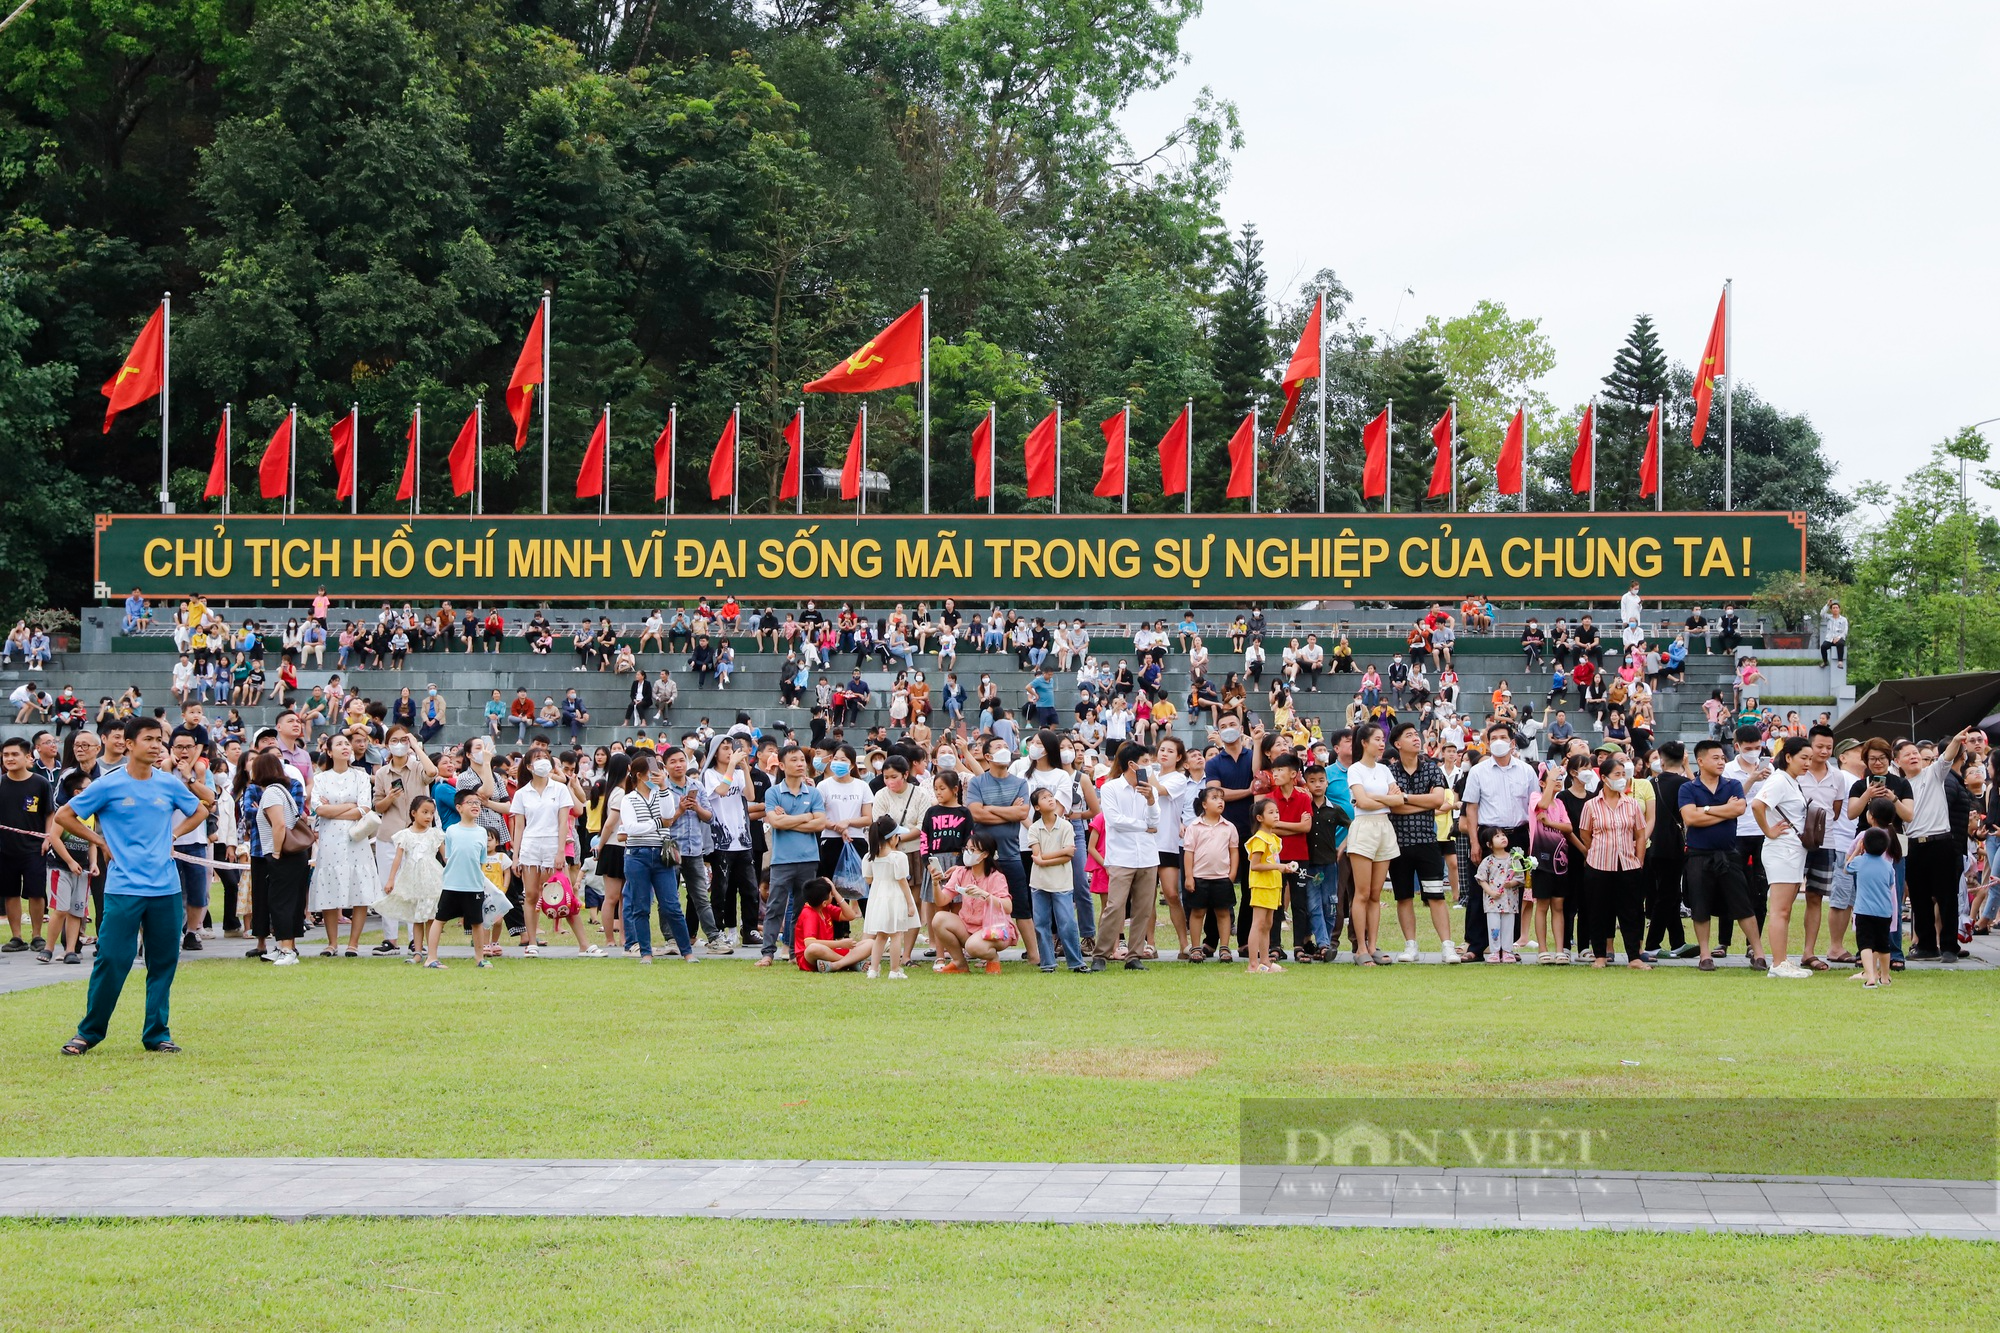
(1616, 833)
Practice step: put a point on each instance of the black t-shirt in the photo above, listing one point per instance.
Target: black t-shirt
(200, 734)
(1669, 837)
(1585, 635)
(1898, 785)
(24, 812)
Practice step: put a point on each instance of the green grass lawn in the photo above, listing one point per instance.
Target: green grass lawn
(508, 1273)
(559, 1057)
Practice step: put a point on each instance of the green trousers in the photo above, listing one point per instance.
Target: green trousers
(125, 916)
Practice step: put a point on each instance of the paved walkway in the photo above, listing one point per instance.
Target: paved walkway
(991, 1192)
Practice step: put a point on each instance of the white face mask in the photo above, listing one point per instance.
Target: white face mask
(1590, 779)
(948, 762)
(541, 768)
(1229, 735)
(1003, 756)
(1068, 755)
(1035, 750)
(971, 858)
(399, 749)
(1502, 748)
(1618, 783)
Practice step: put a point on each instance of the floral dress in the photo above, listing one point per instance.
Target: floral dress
(419, 879)
(344, 871)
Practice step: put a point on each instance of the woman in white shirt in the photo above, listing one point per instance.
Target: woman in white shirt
(1131, 857)
(1780, 809)
(345, 876)
(850, 808)
(1371, 839)
(1117, 721)
(540, 814)
(1172, 783)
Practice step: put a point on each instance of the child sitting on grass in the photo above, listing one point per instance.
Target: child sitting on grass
(813, 938)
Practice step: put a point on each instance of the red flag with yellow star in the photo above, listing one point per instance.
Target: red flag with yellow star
(892, 357)
(144, 370)
(1711, 368)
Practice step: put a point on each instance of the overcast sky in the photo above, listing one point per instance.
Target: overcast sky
(1582, 163)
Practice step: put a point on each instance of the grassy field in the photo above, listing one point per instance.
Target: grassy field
(560, 1057)
(509, 1273)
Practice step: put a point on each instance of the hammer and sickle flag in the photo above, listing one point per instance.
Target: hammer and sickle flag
(892, 357)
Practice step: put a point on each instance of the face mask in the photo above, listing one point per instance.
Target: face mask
(948, 762)
(1035, 750)
(1617, 783)
(1658, 764)
(838, 768)
(432, 690)
(877, 767)
(971, 858)
(1068, 755)
(1590, 779)
(541, 768)
(1229, 735)
(399, 749)
(1501, 749)
(819, 765)
(1003, 756)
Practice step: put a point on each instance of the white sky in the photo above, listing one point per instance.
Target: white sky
(1582, 163)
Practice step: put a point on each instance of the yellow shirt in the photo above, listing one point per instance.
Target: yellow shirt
(1164, 712)
(1269, 844)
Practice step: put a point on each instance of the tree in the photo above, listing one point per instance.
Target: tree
(1639, 378)
(1240, 356)
(1422, 397)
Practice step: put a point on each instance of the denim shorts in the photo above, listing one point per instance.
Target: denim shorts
(1840, 895)
(194, 879)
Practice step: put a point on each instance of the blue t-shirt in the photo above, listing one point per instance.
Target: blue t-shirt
(985, 789)
(791, 846)
(465, 858)
(1235, 774)
(1874, 886)
(136, 819)
(446, 796)
(1045, 692)
(1716, 837)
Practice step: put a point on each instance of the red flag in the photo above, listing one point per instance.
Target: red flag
(1041, 452)
(1112, 480)
(465, 456)
(850, 471)
(1580, 462)
(1441, 469)
(982, 457)
(1513, 450)
(1243, 460)
(893, 356)
(218, 471)
(343, 458)
(275, 471)
(1174, 455)
(527, 372)
(722, 467)
(795, 437)
(590, 477)
(1711, 368)
(1649, 464)
(407, 488)
(1375, 456)
(663, 461)
(1304, 366)
(144, 369)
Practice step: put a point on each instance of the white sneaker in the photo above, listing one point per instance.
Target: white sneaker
(531, 951)
(898, 974)
(1790, 970)
(1450, 952)
(283, 958)
(873, 972)
(1410, 952)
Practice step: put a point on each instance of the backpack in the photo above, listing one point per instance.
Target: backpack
(1813, 835)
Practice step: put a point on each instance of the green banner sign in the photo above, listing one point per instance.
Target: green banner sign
(1012, 558)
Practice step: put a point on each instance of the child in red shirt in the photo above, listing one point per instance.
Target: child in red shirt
(812, 938)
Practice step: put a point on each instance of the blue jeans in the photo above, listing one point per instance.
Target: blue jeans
(647, 877)
(1055, 915)
(788, 896)
(1036, 656)
(1081, 898)
(1321, 890)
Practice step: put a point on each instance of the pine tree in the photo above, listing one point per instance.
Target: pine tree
(1638, 379)
(1422, 395)
(1241, 354)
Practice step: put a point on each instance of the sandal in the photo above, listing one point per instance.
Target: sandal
(1815, 963)
(328, 953)
(354, 953)
(1223, 955)
(436, 963)
(1844, 958)
(76, 1046)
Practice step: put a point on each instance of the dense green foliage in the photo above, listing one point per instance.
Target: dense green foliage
(360, 202)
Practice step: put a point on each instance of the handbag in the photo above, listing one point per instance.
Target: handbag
(1813, 836)
(847, 874)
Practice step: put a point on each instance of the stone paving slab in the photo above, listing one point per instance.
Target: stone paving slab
(990, 1192)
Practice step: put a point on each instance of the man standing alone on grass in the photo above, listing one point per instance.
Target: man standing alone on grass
(135, 809)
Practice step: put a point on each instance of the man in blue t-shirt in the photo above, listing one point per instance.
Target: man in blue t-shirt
(140, 810)
(1717, 886)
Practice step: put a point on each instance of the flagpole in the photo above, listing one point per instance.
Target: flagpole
(166, 364)
(992, 453)
(416, 470)
(926, 399)
(1521, 406)
(226, 442)
(1058, 487)
(1660, 459)
(1253, 458)
(292, 460)
(478, 455)
(604, 491)
(548, 318)
(1728, 392)
(1388, 456)
(861, 473)
(735, 453)
(1322, 400)
(673, 451)
(800, 498)
(1125, 465)
(1454, 458)
(1187, 482)
(1592, 410)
